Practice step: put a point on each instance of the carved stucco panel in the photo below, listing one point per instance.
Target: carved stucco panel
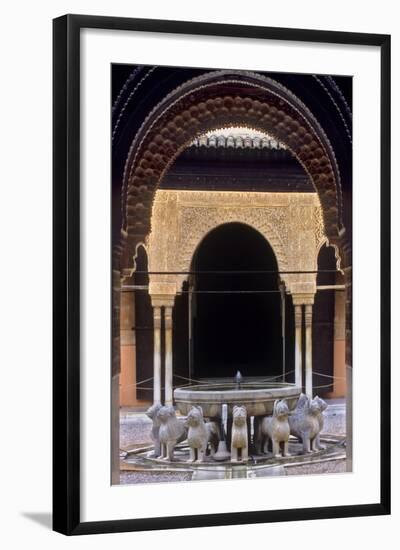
(163, 242)
(290, 222)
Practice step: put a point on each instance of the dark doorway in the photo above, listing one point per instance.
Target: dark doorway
(323, 322)
(232, 330)
(143, 330)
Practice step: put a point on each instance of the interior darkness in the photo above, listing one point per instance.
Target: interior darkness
(143, 330)
(236, 331)
(233, 331)
(323, 322)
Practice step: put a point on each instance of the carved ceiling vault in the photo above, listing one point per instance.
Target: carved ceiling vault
(290, 222)
(218, 100)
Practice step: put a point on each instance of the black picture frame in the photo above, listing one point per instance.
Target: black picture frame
(66, 273)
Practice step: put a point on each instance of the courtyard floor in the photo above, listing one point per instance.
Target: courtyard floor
(135, 429)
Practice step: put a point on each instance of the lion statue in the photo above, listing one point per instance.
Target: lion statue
(275, 428)
(200, 435)
(305, 422)
(239, 437)
(322, 405)
(172, 431)
(152, 413)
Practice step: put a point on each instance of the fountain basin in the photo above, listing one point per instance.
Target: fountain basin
(258, 398)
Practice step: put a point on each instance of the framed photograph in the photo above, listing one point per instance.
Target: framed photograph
(221, 274)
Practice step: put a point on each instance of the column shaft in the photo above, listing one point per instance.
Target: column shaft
(128, 378)
(298, 346)
(339, 342)
(190, 331)
(168, 356)
(157, 355)
(308, 323)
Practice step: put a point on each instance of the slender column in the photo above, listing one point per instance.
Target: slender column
(168, 356)
(157, 355)
(339, 346)
(308, 323)
(190, 331)
(298, 346)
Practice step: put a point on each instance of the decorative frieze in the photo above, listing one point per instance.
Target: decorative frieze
(181, 219)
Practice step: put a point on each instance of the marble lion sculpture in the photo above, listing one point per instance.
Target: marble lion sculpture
(172, 431)
(239, 437)
(306, 422)
(152, 413)
(322, 406)
(200, 435)
(275, 428)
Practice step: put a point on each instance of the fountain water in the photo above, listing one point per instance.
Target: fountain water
(238, 379)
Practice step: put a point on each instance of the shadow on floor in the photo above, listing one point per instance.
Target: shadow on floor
(45, 519)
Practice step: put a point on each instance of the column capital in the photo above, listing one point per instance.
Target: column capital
(297, 315)
(168, 317)
(303, 299)
(162, 288)
(162, 292)
(157, 316)
(160, 300)
(308, 314)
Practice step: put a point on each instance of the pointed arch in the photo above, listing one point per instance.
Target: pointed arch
(221, 99)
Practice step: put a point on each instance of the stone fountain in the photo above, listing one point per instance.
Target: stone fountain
(258, 398)
(218, 403)
(237, 429)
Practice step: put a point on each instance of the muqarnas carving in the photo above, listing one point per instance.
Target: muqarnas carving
(239, 437)
(152, 413)
(276, 429)
(172, 431)
(307, 421)
(200, 435)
